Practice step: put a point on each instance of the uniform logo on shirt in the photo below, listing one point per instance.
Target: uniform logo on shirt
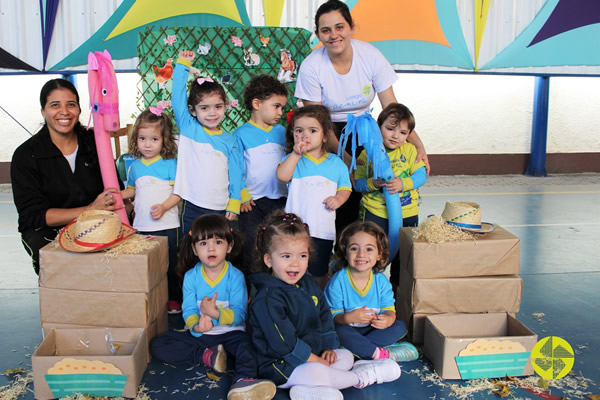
(402, 158)
(366, 90)
(315, 300)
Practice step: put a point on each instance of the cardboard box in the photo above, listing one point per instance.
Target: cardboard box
(446, 335)
(415, 323)
(91, 345)
(156, 327)
(60, 269)
(113, 309)
(468, 295)
(496, 253)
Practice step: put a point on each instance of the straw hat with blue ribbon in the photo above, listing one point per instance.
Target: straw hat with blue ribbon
(466, 216)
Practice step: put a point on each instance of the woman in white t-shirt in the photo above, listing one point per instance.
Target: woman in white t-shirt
(344, 75)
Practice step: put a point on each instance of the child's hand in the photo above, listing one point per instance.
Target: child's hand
(361, 315)
(157, 211)
(395, 186)
(204, 325)
(187, 55)
(382, 321)
(299, 144)
(208, 306)
(329, 356)
(231, 216)
(332, 203)
(378, 183)
(247, 206)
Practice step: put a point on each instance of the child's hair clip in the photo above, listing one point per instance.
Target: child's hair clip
(264, 228)
(190, 233)
(230, 229)
(201, 80)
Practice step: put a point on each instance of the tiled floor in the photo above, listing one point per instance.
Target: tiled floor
(557, 219)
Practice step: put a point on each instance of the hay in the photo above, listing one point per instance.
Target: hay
(435, 230)
(17, 387)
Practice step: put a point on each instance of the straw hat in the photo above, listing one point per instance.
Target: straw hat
(466, 215)
(93, 231)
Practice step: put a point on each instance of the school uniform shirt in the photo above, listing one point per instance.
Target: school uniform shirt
(312, 182)
(262, 150)
(232, 299)
(343, 296)
(153, 183)
(288, 323)
(351, 93)
(209, 166)
(413, 176)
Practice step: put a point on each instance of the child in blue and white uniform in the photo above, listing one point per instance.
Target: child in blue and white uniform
(361, 297)
(318, 181)
(150, 180)
(262, 141)
(215, 303)
(209, 169)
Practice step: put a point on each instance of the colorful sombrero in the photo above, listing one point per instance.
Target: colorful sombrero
(466, 215)
(93, 231)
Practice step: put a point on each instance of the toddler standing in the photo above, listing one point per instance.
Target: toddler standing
(262, 141)
(209, 170)
(318, 181)
(150, 180)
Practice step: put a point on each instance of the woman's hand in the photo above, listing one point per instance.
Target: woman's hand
(105, 201)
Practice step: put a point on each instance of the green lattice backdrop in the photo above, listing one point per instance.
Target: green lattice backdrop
(235, 55)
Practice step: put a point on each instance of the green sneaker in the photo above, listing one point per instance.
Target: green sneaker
(402, 351)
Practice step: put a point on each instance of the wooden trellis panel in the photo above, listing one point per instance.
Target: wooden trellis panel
(229, 55)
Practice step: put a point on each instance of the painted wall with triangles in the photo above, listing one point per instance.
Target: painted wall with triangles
(502, 36)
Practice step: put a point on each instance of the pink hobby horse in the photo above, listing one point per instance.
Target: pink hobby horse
(104, 102)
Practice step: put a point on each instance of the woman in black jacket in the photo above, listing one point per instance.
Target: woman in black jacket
(55, 174)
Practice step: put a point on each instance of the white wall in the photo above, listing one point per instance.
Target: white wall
(455, 114)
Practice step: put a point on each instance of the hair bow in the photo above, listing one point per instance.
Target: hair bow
(202, 80)
(156, 110)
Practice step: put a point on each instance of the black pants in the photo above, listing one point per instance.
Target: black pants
(251, 220)
(181, 348)
(34, 239)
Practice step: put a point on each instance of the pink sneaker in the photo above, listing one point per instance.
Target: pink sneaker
(215, 357)
(173, 307)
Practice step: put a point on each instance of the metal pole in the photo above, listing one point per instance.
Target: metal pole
(539, 130)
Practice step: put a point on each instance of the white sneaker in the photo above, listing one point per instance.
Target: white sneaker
(300, 392)
(376, 371)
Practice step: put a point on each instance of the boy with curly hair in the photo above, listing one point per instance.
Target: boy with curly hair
(262, 141)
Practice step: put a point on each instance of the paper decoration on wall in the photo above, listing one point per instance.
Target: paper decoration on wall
(264, 40)
(492, 358)
(251, 59)
(203, 49)
(288, 67)
(237, 42)
(92, 377)
(169, 40)
(227, 65)
(162, 75)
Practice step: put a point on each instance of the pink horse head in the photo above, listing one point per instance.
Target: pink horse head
(104, 103)
(104, 93)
